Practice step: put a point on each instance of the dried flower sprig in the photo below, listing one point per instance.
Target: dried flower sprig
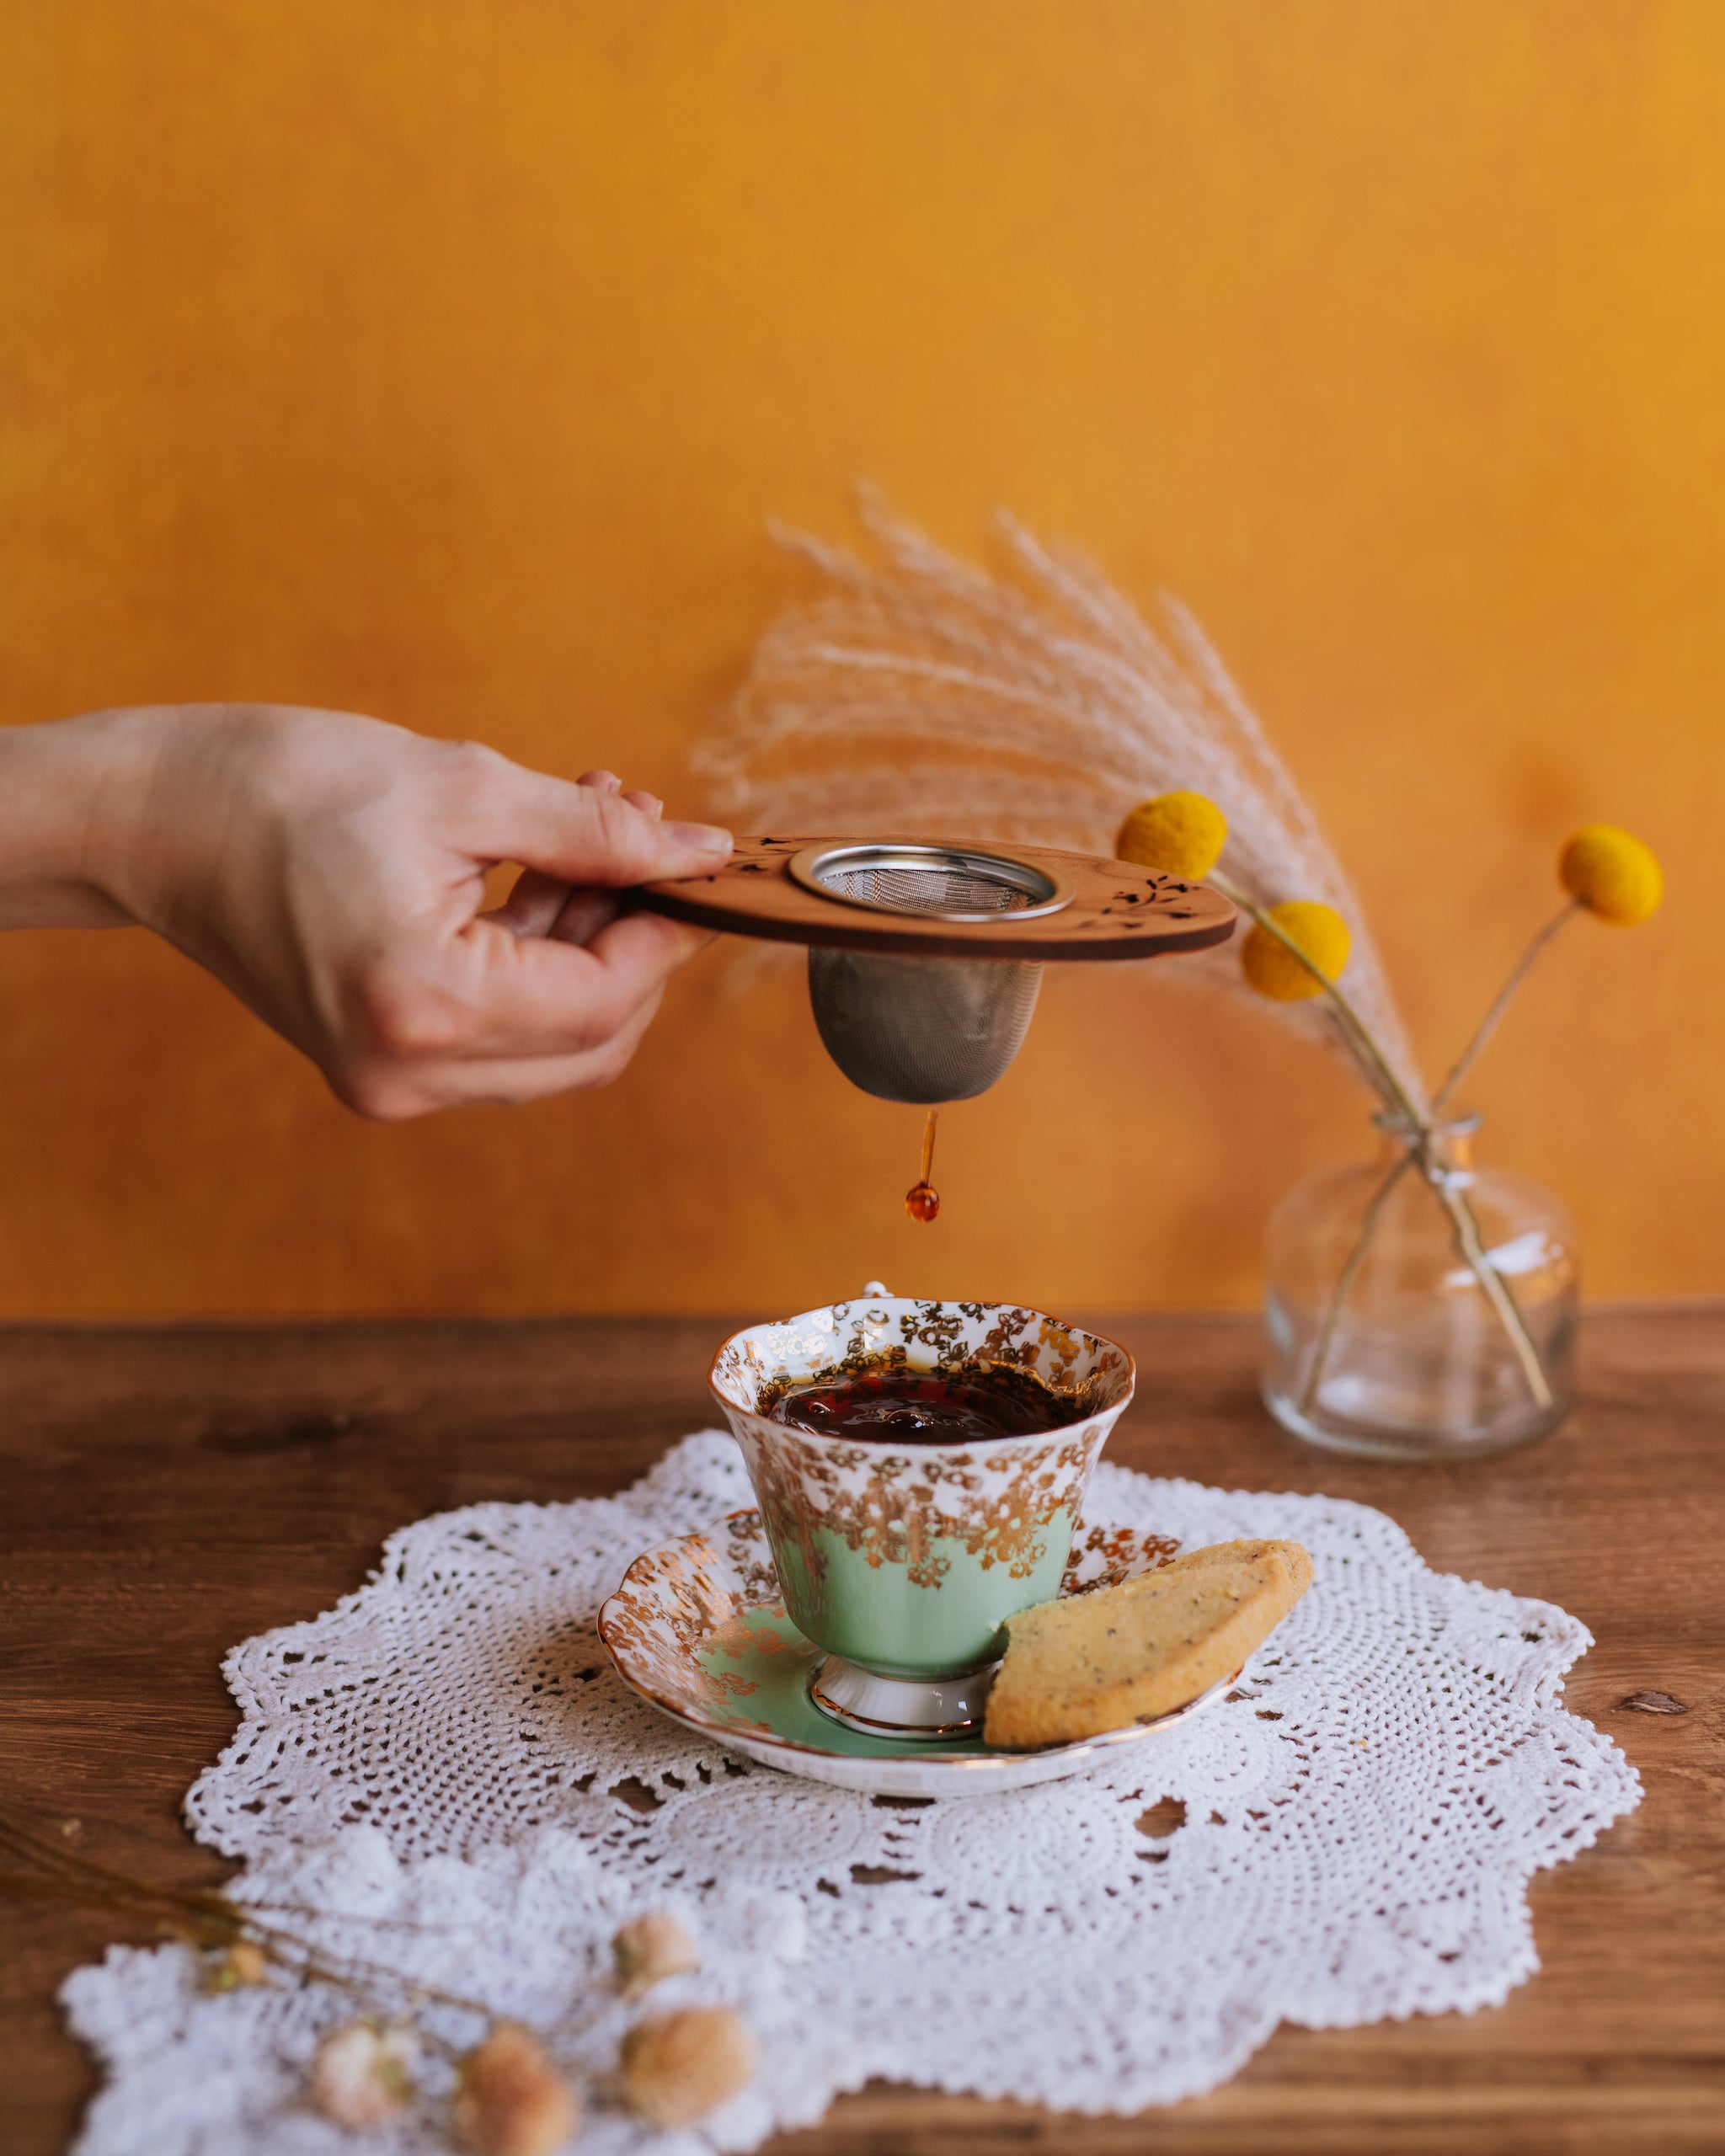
(242, 1938)
(511, 2098)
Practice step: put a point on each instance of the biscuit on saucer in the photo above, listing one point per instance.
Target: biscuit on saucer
(1088, 1663)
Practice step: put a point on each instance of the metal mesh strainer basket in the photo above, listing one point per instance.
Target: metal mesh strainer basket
(926, 1029)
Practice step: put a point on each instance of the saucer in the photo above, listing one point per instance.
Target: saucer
(698, 1629)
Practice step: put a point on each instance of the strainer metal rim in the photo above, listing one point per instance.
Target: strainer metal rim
(1048, 890)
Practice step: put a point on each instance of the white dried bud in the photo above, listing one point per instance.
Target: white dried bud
(363, 2074)
(511, 2100)
(650, 1948)
(677, 2067)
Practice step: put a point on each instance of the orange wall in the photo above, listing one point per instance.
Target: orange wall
(444, 360)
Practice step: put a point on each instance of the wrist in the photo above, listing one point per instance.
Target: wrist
(72, 826)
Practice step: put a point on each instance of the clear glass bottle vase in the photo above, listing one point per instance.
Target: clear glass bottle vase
(1420, 1307)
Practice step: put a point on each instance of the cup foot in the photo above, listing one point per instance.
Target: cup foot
(910, 1709)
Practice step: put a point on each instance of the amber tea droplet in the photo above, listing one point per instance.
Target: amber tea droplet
(922, 1199)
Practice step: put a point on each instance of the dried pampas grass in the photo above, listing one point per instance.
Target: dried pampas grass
(919, 695)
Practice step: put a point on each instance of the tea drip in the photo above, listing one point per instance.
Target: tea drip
(926, 956)
(922, 1199)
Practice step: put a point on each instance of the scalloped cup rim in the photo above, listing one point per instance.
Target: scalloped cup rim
(1094, 1343)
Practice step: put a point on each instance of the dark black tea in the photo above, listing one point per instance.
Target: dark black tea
(913, 1407)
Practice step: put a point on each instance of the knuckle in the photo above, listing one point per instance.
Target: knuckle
(628, 836)
(472, 757)
(475, 776)
(402, 1018)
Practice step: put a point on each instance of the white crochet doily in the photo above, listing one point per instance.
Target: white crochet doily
(449, 1751)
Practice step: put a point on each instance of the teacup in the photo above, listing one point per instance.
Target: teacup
(904, 1561)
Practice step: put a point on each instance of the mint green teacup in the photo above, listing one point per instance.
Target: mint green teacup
(904, 1561)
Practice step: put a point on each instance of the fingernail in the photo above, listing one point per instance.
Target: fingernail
(700, 838)
(656, 807)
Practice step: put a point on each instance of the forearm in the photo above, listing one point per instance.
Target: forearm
(71, 801)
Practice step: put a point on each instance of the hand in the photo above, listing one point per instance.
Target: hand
(330, 870)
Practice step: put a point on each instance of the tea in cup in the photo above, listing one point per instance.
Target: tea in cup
(920, 1468)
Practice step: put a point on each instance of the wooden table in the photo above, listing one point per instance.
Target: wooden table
(164, 1493)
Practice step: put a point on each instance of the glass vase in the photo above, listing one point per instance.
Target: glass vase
(1420, 1307)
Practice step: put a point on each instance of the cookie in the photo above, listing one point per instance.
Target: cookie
(1091, 1662)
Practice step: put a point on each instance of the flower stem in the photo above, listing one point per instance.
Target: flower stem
(1344, 1282)
(1506, 995)
(1418, 1131)
(200, 1916)
(1470, 1243)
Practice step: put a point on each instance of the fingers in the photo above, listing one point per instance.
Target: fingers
(532, 907)
(507, 1083)
(583, 915)
(604, 781)
(393, 1090)
(585, 833)
(486, 994)
(395, 1096)
(555, 996)
(544, 905)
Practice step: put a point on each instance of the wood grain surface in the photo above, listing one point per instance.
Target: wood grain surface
(167, 1492)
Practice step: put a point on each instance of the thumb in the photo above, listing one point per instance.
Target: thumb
(584, 837)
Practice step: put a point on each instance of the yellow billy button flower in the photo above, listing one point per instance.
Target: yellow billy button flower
(1178, 834)
(1612, 874)
(1272, 968)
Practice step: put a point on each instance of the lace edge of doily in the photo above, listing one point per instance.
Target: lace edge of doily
(1543, 1663)
(245, 1666)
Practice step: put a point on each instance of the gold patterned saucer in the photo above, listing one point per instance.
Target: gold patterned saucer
(698, 1629)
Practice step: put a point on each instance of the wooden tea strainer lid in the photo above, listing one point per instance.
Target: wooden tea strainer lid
(946, 899)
